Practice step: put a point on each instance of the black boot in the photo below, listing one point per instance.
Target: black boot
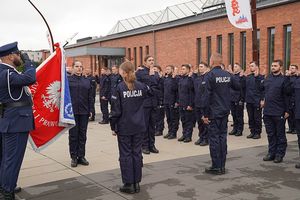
(233, 132)
(83, 161)
(250, 136)
(198, 142)
(268, 158)
(18, 189)
(137, 187)
(166, 136)
(214, 171)
(256, 136)
(204, 143)
(181, 139)
(297, 166)
(239, 133)
(128, 188)
(74, 162)
(153, 150)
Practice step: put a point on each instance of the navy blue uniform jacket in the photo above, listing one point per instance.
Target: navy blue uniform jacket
(18, 119)
(104, 82)
(170, 91)
(115, 79)
(81, 94)
(200, 82)
(127, 115)
(254, 89)
(185, 92)
(296, 94)
(238, 95)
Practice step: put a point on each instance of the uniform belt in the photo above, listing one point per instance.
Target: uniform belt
(17, 104)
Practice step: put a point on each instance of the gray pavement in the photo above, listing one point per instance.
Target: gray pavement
(247, 177)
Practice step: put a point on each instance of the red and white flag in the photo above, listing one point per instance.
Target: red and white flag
(52, 107)
(239, 13)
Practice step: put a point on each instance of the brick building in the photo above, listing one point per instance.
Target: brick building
(173, 39)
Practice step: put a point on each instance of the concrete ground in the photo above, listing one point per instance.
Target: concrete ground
(175, 173)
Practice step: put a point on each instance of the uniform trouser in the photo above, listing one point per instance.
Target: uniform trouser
(201, 126)
(255, 118)
(291, 121)
(237, 112)
(13, 149)
(149, 135)
(172, 115)
(275, 128)
(77, 137)
(187, 119)
(217, 137)
(104, 109)
(93, 111)
(131, 160)
(297, 122)
(160, 119)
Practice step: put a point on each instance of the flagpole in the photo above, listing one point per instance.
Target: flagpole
(254, 31)
(51, 37)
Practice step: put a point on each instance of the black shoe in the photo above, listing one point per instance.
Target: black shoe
(103, 122)
(250, 136)
(187, 140)
(239, 133)
(74, 162)
(278, 159)
(233, 132)
(145, 151)
(203, 143)
(166, 136)
(18, 189)
(83, 161)
(158, 134)
(214, 171)
(198, 142)
(232, 125)
(290, 131)
(128, 188)
(154, 150)
(223, 170)
(171, 137)
(268, 158)
(297, 166)
(181, 139)
(137, 187)
(256, 136)
(294, 132)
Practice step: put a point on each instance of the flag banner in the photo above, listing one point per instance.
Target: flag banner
(239, 13)
(52, 107)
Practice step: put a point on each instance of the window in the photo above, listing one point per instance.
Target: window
(134, 55)
(243, 50)
(208, 43)
(198, 50)
(129, 54)
(231, 48)
(141, 55)
(147, 50)
(287, 45)
(219, 44)
(271, 46)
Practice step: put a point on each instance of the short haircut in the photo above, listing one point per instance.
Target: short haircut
(158, 67)
(172, 67)
(147, 57)
(188, 66)
(296, 66)
(254, 62)
(279, 62)
(203, 63)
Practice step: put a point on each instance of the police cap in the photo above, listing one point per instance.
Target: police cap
(8, 49)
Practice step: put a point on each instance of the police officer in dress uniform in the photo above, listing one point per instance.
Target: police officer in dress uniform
(147, 76)
(128, 122)
(200, 81)
(217, 101)
(81, 95)
(170, 99)
(16, 117)
(186, 104)
(237, 102)
(296, 94)
(115, 78)
(104, 95)
(93, 80)
(253, 97)
(277, 89)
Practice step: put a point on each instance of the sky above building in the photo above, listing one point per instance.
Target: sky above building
(20, 22)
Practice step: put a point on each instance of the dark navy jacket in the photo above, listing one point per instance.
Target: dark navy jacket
(17, 119)
(81, 94)
(160, 92)
(238, 95)
(217, 100)
(170, 91)
(200, 82)
(296, 93)
(115, 79)
(277, 90)
(127, 115)
(93, 81)
(104, 82)
(185, 92)
(292, 98)
(254, 89)
(142, 75)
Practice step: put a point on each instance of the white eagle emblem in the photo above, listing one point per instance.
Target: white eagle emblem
(52, 99)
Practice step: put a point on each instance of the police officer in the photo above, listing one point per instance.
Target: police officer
(115, 78)
(104, 82)
(170, 99)
(81, 95)
(237, 102)
(16, 117)
(216, 115)
(160, 110)
(200, 81)
(253, 97)
(277, 89)
(147, 76)
(93, 80)
(186, 104)
(296, 94)
(292, 73)
(128, 122)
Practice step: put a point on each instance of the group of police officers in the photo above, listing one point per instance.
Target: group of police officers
(204, 96)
